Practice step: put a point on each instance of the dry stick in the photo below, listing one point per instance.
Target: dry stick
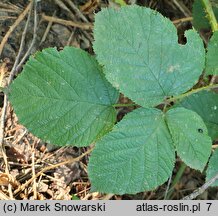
(14, 8)
(80, 15)
(77, 11)
(213, 79)
(85, 26)
(182, 8)
(186, 19)
(62, 5)
(70, 38)
(7, 17)
(214, 146)
(65, 9)
(4, 109)
(176, 180)
(2, 148)
(168, 186)
(33, 40)
(33, 170)
(47, 29)
(72, 160)
(3, 69)
(201, 189)
(3, 196)
(13, 70)
(11, 29)
(6, 10)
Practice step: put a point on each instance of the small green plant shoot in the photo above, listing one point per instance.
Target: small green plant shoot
(69, 97)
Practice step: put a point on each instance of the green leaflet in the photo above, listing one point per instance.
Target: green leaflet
(139, 153)
(190, 137)
(200, 20)
(141, 56)
(205, 104)
(212, 169)
(136, 155)
(63, 97)
(212, 56)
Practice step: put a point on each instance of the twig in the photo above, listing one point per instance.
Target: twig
(176, 180)
(65, 8)
(2, 148)
(90, 6)
(9, 6)
(62, 5)
(77, 11)
(47, 29)
(72, 160)
(214, 146)
(33, 40)
(85, 26)
(7, 17)
(4, 109)
(182, 8)
(11, 29)
(168, 186)
(13, 70)
(3, 70)
(186, 19)
(78, 16)
(6, 10)
(3, 196)
(213, 79)
(201, 189)
(33, 170)
(70, 38)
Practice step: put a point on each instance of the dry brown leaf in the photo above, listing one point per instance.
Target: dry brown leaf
(4, 179)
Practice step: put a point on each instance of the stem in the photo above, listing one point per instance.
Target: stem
(176, 179)
(179, 97)
(210, 15)
(193, 91)
(124, 105)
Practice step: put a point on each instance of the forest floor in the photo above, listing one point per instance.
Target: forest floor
(33, 169)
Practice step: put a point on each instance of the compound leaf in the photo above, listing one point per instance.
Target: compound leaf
(212, 169)
(136, 155)
(212, 55)
(141, 55)
(205, 104)
(189, 134)
(63, 97)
